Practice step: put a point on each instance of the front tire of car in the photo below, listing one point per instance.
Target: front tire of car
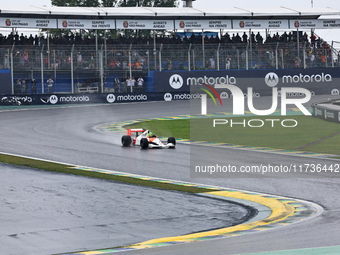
(172, 140)
(144, 143)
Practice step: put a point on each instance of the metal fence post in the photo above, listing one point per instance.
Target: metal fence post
(72, 81)
(55, 67)
(218, 57)
(12, 69)
(101, 71)
(160, 57)
(189, 60)
(154, 50)
(203, 48)
(277, 57)
(130, 69)
(247, 64)
(42, 69)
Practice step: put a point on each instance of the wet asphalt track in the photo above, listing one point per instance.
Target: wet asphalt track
(66, 134)
(44, 213)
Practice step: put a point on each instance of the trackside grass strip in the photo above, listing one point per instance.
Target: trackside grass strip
(69, 169)
(311, 134)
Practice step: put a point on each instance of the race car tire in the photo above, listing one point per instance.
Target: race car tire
(126, 140)
(144, 143)
(172, 140)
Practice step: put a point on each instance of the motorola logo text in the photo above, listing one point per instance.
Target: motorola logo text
(176, 81)
(272, 79)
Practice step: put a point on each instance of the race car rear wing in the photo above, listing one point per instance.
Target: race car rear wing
(135, 130)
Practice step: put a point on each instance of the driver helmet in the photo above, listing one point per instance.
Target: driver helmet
(150, 134)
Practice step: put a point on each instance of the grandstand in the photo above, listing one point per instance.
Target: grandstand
(103, 63)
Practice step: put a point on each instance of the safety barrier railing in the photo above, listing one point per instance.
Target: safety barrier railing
(69, 65)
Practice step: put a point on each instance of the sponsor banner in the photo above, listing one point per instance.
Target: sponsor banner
(320, 24)
(203, 24)
(91, 98)
(260, 24)
(320, 80)
(335, 23)
(305, 24)
(28, 23)
(85, 24)
(181, 96)
(145, 24)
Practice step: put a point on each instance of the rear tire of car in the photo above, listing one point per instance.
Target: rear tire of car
(172, 140)
(126, 140)
(144, 143)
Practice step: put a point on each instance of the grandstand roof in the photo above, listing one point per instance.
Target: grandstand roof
(166, 12)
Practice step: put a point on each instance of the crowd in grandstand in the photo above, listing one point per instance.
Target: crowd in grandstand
(316, 50)
(78, 39)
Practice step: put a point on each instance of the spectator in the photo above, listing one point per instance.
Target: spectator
(116, 85)
(128, 83)
(23, 86)
(259, 38)
(17, 88)
(34, 86)
(6, 61)
(212, 63)
(227, 62)
(133, 82)
(79, 60)
(245, 37)
(312, 60)
(49, 85)
(140, 83)
(139, 65)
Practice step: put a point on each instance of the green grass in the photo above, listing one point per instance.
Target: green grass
(308, 131)
(67, 169)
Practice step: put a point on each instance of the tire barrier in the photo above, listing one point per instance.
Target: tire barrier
(329, 111)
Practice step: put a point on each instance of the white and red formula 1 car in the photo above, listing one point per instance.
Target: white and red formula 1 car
(145, 139)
